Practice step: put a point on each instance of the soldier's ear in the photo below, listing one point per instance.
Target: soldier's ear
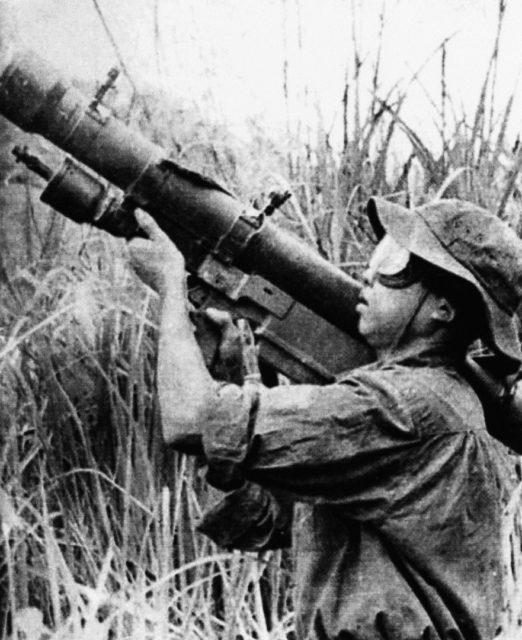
(443, 310)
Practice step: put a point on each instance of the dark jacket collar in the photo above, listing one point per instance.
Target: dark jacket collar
(425, 353)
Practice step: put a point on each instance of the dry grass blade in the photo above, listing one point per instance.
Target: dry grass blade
(454, 175)
(426, 158)
(501, 137)
(15, 341)
(478, 136)
(510, 183)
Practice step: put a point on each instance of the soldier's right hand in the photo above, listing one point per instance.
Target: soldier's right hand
(156, 259)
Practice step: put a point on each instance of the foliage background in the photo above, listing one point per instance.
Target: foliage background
(98, 518)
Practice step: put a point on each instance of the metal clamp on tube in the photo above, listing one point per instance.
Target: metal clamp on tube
(238, 237)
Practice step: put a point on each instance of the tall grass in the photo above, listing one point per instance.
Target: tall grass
(99, 519)
(99, 522)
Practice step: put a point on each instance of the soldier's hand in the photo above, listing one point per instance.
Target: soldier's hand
(228, 364)
(156, 259)
(230, 354)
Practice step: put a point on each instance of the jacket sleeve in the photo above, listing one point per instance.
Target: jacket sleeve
(249, 518)
(337, 444)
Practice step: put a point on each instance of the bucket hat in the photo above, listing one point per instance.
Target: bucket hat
(473, 244)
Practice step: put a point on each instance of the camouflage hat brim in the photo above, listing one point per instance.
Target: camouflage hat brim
(410, 230)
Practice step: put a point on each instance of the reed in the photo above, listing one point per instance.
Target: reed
(99, 522)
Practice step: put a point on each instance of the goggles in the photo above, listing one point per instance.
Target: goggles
(392, 266)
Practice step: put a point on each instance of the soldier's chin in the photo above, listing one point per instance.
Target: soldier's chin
(369, 332)
(363, 327)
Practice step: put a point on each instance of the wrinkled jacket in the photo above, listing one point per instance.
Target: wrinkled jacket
(397, 492)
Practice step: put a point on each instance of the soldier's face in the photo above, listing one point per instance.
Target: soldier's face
(390, 297)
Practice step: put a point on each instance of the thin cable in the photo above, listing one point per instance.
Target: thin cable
(121, 61)
(401, 334)
(114, 44)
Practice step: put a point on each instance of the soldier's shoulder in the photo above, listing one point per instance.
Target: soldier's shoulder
(432, 395)
(409, 376)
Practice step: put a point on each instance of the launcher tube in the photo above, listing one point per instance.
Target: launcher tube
(38, 99)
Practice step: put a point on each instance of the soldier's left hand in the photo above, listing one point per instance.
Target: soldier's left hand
(156, 259)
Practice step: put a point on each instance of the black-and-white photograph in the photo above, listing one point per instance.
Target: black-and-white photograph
(260, 320)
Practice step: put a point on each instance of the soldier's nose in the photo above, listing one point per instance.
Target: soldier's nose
(368, 277)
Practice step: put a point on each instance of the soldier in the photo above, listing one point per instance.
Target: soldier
(393, 484)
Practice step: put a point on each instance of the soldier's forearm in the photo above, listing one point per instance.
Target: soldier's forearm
(186, 389)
